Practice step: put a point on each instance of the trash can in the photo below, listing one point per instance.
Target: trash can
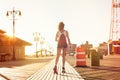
(101, 55)
(95, 59)
(101, 52)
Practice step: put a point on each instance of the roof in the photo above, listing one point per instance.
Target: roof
(23, 42)
(1, 31)
(18, 41)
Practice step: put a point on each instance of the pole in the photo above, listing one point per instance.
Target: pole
(36, 51)
(13, 13)
(36, 39)
(14, 58)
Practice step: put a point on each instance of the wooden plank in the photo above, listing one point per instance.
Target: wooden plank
(74, 75)
(46, 73)
(40, 73)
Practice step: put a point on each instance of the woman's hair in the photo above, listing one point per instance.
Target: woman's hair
(61, 26)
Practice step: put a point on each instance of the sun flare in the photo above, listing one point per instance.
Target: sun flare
(10, 34)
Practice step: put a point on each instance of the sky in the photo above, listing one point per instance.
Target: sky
(85, 20)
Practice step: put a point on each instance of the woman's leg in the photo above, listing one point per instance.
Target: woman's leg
(63, 59)
(56, 61)
(58, 55)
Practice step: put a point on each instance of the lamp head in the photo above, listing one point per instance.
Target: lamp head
(19, 13)
(7, 14)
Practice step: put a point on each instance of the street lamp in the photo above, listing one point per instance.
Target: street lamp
(13, 13)
(42, 41)
(36, 39)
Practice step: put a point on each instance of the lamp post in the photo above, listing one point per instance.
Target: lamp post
(42, 41)
(13, 13)
(36, 39)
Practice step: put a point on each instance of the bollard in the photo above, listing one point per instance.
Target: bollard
(80, 57)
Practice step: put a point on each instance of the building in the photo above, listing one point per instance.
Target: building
(6, 47)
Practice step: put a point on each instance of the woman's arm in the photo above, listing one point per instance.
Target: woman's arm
(56, 37)
(67, 35)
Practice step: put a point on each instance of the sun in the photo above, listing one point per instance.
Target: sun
(10, 34)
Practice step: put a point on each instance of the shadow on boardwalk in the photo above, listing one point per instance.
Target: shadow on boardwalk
(109, 68)
(21, 69)
(26, 61)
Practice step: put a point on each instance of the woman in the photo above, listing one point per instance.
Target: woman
(62, 37)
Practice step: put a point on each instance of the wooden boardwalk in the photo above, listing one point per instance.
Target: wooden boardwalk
(46, 73)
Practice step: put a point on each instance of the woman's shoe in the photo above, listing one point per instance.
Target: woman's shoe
(55, 70)
(63, 70)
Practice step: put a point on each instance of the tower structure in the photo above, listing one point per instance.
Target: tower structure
(115, 21)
